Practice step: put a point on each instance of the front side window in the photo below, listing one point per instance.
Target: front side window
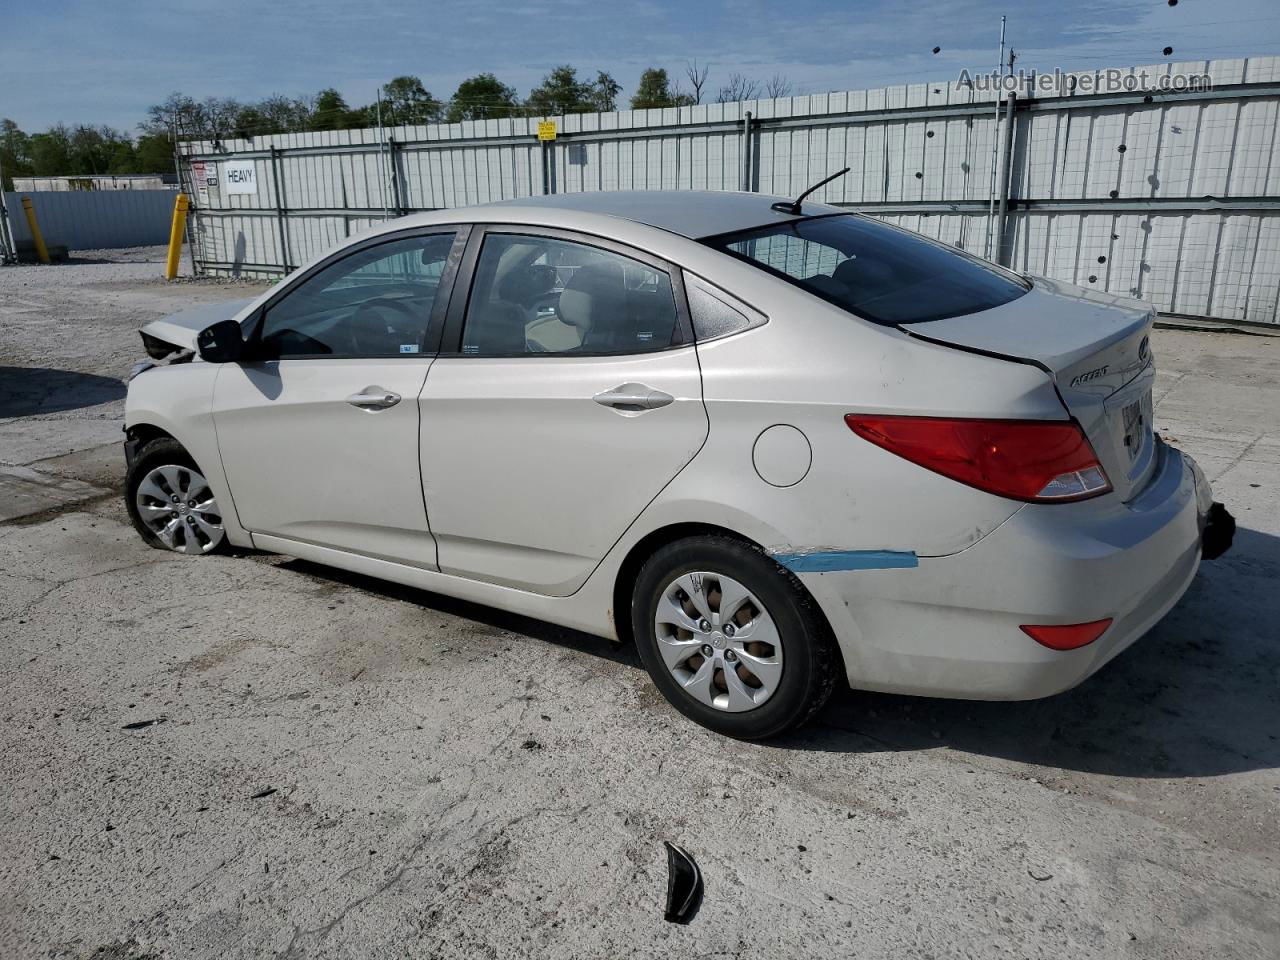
(542, 295)
(876, 271)
(377, 302)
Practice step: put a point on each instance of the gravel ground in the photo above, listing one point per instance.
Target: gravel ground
(72, 329)
(247, 756)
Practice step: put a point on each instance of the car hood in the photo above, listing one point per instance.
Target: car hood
(178, 331)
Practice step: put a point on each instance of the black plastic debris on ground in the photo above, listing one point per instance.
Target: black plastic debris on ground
(263, 793)
(139, 724)
(684, 885)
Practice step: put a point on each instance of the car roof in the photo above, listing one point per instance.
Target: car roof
(695, 214)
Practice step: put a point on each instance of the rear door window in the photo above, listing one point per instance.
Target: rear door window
(878, 272)
(537, 294)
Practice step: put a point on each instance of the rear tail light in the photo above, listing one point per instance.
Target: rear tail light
(1067, 636)
(1042, 461)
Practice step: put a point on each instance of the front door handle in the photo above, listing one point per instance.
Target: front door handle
(373, 399)
(633, 398)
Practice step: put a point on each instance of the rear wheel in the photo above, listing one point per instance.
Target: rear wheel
(731, 638)
(170, 501)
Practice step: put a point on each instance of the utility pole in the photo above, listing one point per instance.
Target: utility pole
(991, 189)
(1006, 169)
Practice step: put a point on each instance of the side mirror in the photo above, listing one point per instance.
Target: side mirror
(221, 343)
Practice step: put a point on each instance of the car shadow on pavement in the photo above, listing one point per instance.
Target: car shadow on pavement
(29, 391)
(489, 616)
(1196, 697)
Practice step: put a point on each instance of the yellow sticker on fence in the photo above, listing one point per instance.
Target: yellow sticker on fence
(546, 129)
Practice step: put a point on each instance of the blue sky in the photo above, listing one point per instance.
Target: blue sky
(105, 61)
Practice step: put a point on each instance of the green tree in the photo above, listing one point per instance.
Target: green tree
(124, 158)
(51, 152)
(331, 111)
(655, 90)
(406, 101)
(562, 92)
(604, 92)
(275, 114)
(97, 150)
(482, 97)
(153, 153)
(15, 152)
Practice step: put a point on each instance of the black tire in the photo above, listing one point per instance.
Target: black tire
(159, 452)
(811, 662)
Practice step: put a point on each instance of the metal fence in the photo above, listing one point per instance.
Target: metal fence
(1163, 195)
(94, 220)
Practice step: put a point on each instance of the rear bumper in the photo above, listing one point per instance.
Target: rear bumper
(949, 627)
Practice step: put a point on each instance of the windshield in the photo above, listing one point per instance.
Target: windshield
(876, 271)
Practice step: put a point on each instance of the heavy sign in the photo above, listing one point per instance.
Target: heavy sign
(240, 176)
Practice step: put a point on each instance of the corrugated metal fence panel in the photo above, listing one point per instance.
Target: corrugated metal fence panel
(921, 155)
(95, 219)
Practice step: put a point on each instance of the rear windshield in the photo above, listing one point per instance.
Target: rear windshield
(876, 271)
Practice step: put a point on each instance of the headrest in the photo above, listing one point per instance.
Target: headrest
(594, 290)
(863, 273)
(436, 248)
(524, 285)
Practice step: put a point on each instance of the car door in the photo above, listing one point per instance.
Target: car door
(566, 396)
(318, 430)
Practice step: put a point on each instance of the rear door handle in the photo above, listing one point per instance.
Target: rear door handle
(633, 398)
(373, 399)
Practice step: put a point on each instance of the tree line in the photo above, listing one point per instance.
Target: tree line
(86, 150)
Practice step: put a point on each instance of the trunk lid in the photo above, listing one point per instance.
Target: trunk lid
(1097, 349)
(178, 331)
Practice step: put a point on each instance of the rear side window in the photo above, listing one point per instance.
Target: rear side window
(715, 313)
(876, 271)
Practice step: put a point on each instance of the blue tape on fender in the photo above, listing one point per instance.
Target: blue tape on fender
(826, 561)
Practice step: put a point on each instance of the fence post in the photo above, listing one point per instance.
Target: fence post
(747, 158)
(36, 236)
(394, 157)
(282, 218)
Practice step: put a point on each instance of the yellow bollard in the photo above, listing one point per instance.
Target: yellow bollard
(175, 235)
(36, 236)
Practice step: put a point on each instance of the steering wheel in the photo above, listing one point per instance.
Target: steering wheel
(369, 314)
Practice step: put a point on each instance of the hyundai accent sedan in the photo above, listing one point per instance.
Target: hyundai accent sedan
(775, 445)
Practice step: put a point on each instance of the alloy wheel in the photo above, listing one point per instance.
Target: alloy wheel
(177, 506)
(718, 641)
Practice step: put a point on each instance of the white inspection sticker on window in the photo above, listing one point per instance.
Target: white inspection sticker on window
(408, 348)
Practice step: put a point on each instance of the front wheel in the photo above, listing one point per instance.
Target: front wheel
(170, 501)
(731, 638)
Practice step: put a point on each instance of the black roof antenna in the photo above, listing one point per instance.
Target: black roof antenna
(793, 207)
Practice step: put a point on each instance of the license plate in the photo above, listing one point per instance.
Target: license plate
(1137, 425)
